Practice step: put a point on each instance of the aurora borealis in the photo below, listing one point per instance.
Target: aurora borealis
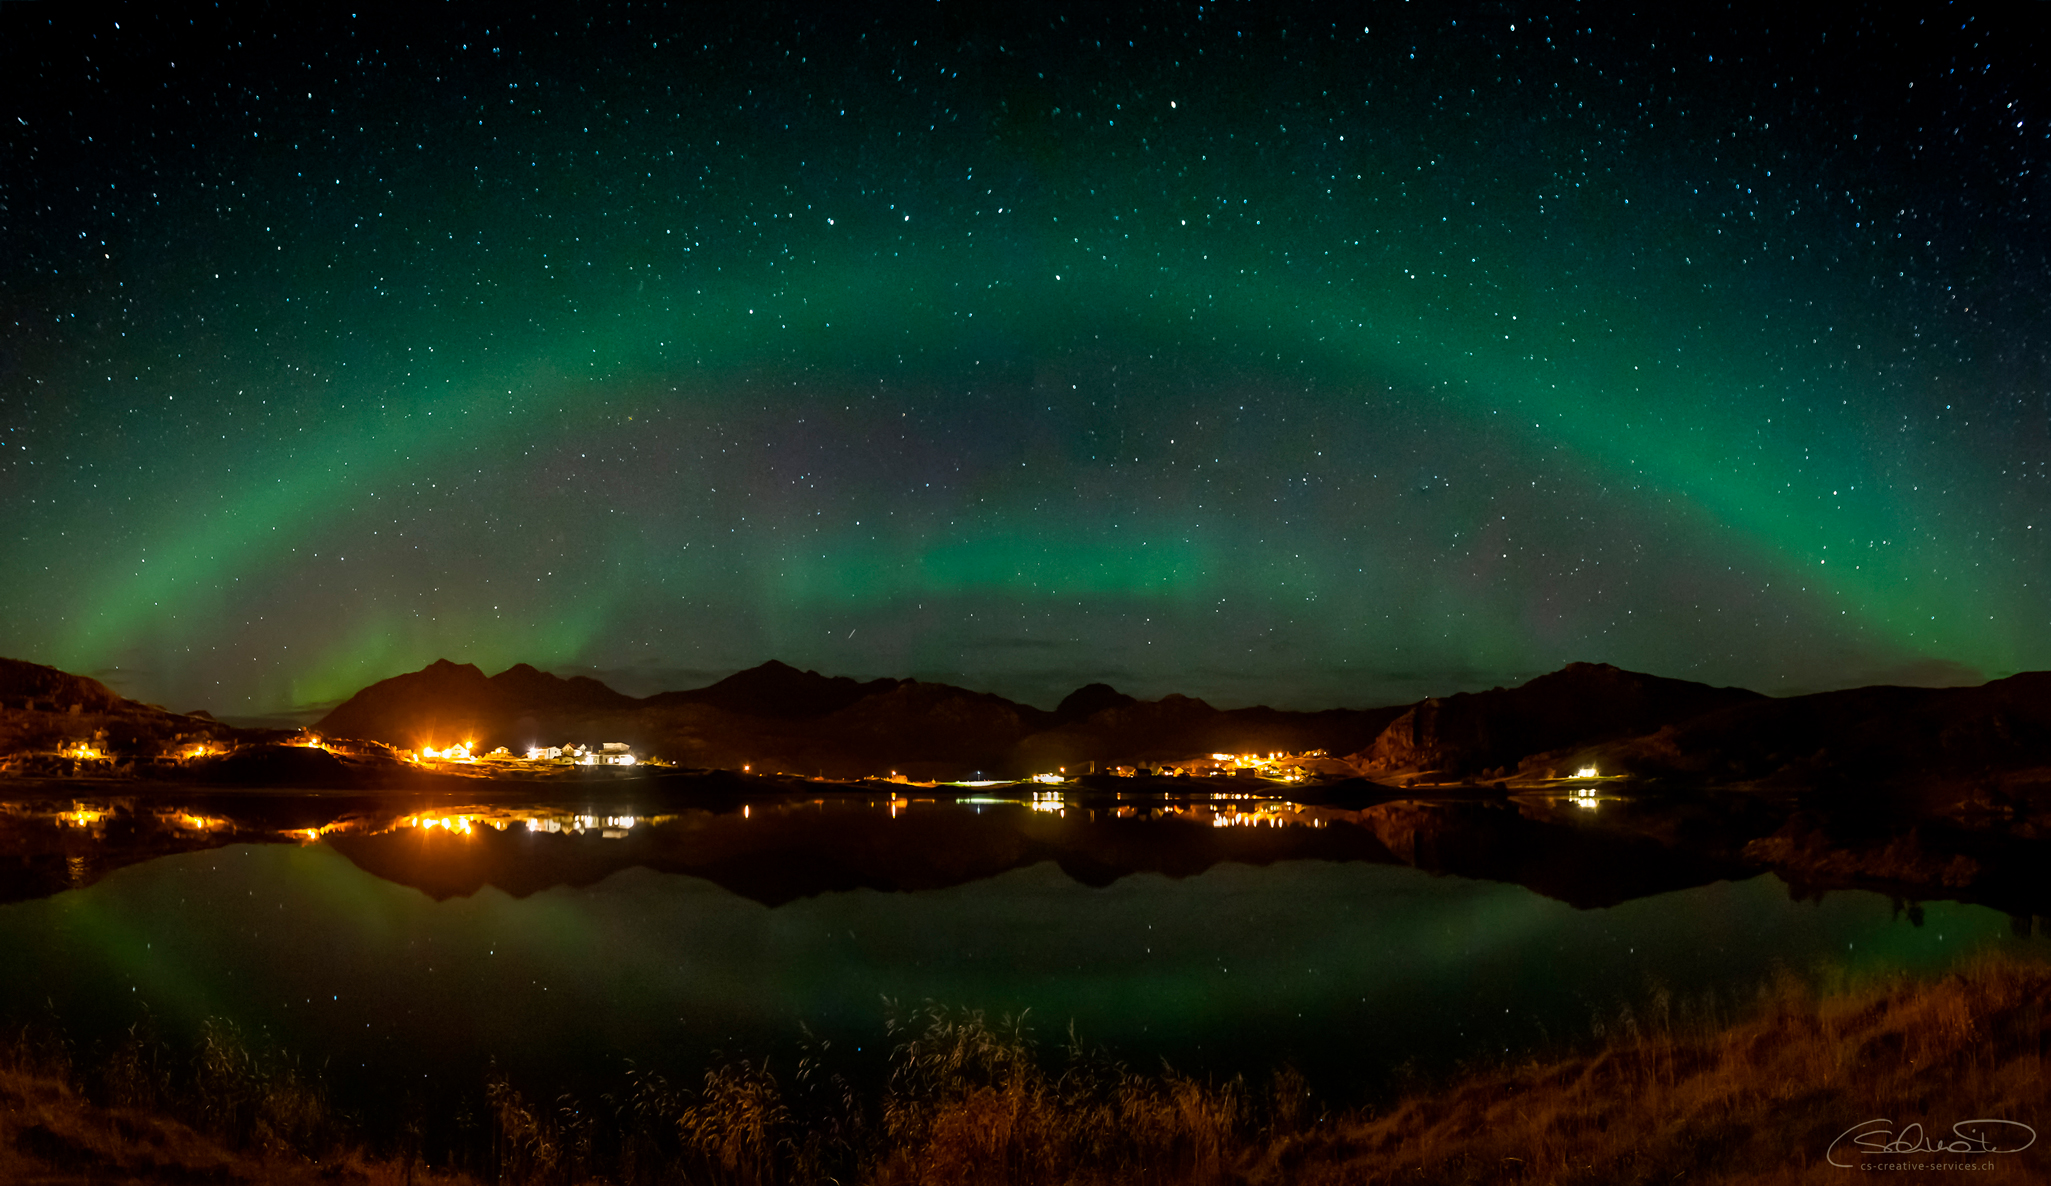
(1302, 355)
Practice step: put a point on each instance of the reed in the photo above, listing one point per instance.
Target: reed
(228, 1109)
(1707, 1090)
(1756, 1099)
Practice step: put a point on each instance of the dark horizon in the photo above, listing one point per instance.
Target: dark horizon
(1933, 677)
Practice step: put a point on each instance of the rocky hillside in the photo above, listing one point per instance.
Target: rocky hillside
(1494, 733)
(54, 723)
(33, 687)
(1987, 745)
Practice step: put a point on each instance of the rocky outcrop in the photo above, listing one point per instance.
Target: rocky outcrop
(32, 687)
(51, 719)
(1579, 705)
(1988, 745)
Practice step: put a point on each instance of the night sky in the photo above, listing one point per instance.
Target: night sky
(1306, 356)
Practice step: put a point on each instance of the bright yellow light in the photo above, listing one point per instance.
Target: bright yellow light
(455, 753)
(1588, 772)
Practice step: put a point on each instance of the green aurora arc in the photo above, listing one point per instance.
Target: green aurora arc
(1515, 381)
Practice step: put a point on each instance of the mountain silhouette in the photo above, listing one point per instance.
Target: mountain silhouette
(1505, 728)
(778, 691)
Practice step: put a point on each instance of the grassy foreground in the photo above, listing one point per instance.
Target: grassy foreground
(1662, 1098)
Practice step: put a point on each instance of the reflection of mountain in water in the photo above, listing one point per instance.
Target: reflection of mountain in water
(781, 852)
(775, 840)
(776, 848)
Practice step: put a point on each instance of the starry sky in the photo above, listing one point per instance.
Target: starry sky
(1296, 354)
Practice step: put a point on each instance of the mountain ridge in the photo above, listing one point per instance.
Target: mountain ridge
(1984, 743)
(777, 715)
(1984, 749)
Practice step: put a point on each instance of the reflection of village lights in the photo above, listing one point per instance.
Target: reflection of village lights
(1268, 815)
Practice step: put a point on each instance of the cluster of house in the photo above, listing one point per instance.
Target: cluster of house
(604, 754)
(610, 753)
(1286, 767)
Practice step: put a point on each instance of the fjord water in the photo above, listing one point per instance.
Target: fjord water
(1345, 969)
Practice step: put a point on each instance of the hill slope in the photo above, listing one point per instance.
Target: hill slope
(1501, 729)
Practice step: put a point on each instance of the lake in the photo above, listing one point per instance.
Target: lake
(423, 944)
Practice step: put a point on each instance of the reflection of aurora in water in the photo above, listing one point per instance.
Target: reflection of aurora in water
(1344, 967)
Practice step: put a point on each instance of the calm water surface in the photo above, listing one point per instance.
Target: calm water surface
(1345, 968)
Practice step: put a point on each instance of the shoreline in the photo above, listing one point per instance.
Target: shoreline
(1766, 1093)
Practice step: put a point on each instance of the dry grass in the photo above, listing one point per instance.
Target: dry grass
(1695, 1098)
(1759, 1100)
(227, 1112)
(51, 1134)
(970, 1103)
